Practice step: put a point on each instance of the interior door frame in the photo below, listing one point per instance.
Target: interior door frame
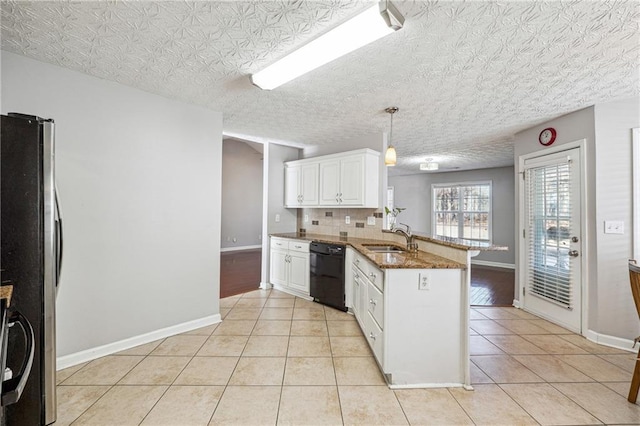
(584, 229)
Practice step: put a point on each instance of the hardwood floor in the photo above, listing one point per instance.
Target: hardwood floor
(491, 286)
(239, 271)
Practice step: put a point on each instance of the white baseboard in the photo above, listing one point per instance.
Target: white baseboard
(292, 292)
(612, 341)
(222, 250)
(429, 386)
(265, 286)
(516, 303)
(110, 348)
(493, 264)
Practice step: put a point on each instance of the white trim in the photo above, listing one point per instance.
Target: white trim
(226, 249)
(516, 304)
(635, 166)
(110, 348)
(431, 386)
(265, 285)
(611, 341)
(292, 292)
(493, 264)
(584, 217)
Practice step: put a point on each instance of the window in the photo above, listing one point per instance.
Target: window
(462, 210)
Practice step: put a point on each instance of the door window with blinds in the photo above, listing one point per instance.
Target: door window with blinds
(462, 210)
(549, 229)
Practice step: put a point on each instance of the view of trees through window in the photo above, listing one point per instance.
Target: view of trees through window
(462, 211)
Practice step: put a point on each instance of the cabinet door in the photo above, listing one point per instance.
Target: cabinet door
(278, 267)
(329, 183)
(352, 181)
(309, 184)
(299, 271)
(292, 186)
(357, 295)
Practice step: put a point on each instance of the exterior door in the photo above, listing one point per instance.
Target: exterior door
(553, 240)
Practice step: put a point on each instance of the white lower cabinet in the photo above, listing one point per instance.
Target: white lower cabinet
(415, 331)
(289, 266)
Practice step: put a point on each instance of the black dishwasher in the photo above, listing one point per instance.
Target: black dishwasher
(327, 274)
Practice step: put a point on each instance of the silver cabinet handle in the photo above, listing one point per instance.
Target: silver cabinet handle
(573, 253)
(372, 275)
(357, 261)
(372, 336)
(373, 302)
(298, 246)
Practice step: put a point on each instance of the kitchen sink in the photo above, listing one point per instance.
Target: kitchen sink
(384, 249)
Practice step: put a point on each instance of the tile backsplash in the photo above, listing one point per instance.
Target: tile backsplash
(332, 222)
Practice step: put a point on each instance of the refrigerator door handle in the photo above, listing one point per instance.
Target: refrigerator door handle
(59, 238)
(12, 389)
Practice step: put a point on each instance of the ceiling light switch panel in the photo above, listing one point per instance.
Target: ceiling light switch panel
(613, 227)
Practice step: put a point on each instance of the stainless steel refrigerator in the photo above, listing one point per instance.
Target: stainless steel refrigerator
(31, 255)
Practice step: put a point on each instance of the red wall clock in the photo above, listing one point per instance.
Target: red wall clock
(547, 136)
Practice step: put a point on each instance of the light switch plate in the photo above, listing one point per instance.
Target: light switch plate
(614, 227)
(306, 218)
(347, 219)
(277, 217)
(371, 220)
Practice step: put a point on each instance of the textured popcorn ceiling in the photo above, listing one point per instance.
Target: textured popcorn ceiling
(465, 75)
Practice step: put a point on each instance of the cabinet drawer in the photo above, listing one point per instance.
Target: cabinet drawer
(301, 246)
(374, 336)
(369, 270)
(279, 243)
(375, 304)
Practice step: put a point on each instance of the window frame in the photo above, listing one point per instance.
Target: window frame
(460, 211)
(635, 166)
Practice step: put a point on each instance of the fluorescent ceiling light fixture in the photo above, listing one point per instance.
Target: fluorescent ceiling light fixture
(370, 25)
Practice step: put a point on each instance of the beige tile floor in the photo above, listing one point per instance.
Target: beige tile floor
(276, 359)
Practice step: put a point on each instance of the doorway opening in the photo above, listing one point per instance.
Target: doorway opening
(241, 222)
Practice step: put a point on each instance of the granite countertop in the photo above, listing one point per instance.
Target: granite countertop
(459, 243)
(406, 260)
(6, 291)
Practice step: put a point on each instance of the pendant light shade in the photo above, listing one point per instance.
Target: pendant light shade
(390, 155)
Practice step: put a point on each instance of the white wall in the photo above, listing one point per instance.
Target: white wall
(413, 192)
(613, 124)
(607, 131)
(139, 180)
(241, 195)
(275, 156)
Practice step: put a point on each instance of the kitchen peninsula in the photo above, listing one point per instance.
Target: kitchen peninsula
(413, 307)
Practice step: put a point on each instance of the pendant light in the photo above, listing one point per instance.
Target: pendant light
(390, 155)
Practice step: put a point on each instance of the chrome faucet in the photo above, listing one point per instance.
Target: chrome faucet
(411, 246)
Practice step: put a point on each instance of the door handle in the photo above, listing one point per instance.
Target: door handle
(12, 389)
(573, 253)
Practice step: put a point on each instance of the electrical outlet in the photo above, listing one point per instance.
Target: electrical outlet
(371, 220)
(306, 218)
(613, 227)
(424, 283)
(277, 217)
(347, 219)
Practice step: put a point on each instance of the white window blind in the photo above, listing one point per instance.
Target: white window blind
(549, 233)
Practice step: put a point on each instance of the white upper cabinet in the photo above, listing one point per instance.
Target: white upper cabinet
(349, 179)
(301, 185)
